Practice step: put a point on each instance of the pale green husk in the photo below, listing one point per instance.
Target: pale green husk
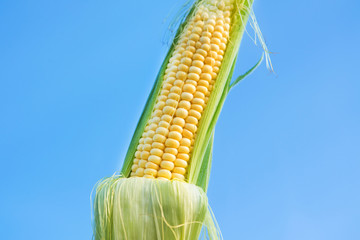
(145, 209)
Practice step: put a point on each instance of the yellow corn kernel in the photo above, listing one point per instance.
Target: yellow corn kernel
(164, 173)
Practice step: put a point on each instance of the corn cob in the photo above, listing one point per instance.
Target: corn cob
(173, 139)
(165, 146)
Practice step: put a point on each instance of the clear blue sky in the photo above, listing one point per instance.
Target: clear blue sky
(75, 76)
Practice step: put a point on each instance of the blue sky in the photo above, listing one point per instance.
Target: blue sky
(75, 76)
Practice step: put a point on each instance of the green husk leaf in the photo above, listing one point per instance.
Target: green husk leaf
(203, 179)
(241, 77)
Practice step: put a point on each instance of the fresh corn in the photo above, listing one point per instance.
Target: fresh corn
(161, 190)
